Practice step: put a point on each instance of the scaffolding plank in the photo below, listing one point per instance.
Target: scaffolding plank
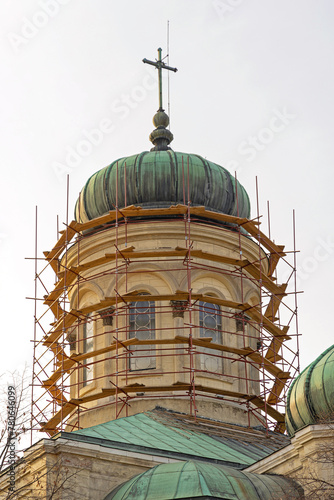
(137, 211)
(202, 212)
(263, 239)
(264, 279)
(61, 326)
(98, 221)
(178, 387)
(252, 311)
(252, 269)
(57, 374)
(247, 352)
(64, 239)
(56, 393)
(67, 364)
(58, 352)
(76, 358)
(274, 259)
(272, 352)
(211, 345)
(69, 276)
(274, 303)
(54, 263)
(252, 398)
(104, 393)
(133, 211)
(51, 425)
(104, 350)
(280, 382)
(255, 314)
(55, 307)
(74, 272)
(63, 323)
(268, 365)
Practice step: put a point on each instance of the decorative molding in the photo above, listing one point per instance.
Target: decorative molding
(107, 316)
(178, 307)
(71, 339)
(241, 320)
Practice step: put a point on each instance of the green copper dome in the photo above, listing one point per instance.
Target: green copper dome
(191, 480)
(311, 396)
(160, 179)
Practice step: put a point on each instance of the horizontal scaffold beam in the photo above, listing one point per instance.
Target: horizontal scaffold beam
(67, 408)
(75, 359)
(276, 251)
(252, 311)
(73, 273)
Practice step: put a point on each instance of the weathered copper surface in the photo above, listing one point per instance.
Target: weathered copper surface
(160, 179)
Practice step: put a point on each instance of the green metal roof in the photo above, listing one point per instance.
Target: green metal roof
(157, 434)
(190, 480)
(311, 396)
(160, 179)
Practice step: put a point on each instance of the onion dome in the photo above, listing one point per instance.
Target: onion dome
(311, 396)
(190, 480)
(154, 179)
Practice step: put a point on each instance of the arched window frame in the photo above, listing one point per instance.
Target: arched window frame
(142, 326)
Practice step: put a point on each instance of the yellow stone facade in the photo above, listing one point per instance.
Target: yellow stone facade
(164, 276)
(64, 470)
(309, 459)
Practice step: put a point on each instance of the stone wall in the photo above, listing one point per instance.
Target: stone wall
(66, 470)
(309, 459)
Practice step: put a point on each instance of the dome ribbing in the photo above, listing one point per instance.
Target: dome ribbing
(190, 480)
(160, 179)
(311, 396)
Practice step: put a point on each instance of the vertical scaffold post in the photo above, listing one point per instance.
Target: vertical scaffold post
(116, 296)
(260, 303)
(295, 285)
(193, 408)
(63, 336)
(245, 362)
(35, 334)
(78, 304)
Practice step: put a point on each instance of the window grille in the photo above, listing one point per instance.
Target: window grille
(210, 326)
(142, 326)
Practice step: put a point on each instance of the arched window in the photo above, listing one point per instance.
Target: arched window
(88, 346)
(142, 326)
(210, 326)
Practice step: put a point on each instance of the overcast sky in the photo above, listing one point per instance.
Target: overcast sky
(253, 93)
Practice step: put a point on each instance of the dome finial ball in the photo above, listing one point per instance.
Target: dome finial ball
(161, 119)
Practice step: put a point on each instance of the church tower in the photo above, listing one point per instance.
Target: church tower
(166, 295)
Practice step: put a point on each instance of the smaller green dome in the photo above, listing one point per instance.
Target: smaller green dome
(311, 396)
(191, 480)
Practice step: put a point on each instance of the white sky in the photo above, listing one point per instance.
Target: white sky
(241, 64)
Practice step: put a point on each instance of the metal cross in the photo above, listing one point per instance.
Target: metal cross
(160, 65)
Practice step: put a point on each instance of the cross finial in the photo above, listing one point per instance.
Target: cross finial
(160, 65)
(161, 137)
